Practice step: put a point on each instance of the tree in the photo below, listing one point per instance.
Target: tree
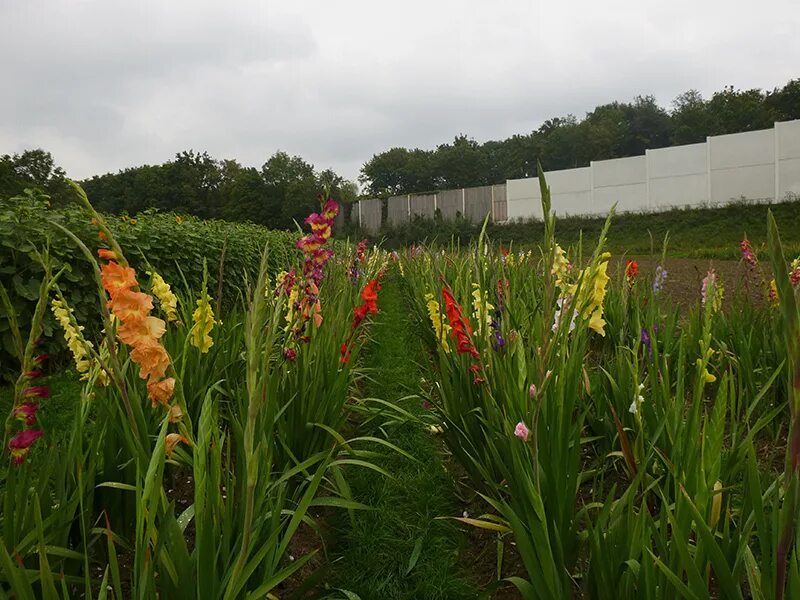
(34, 169)
(733, 111)
(784, 103)
(691, 119)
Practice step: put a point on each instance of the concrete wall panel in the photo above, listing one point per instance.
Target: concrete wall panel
(371, 215)
(523, 199)
(756, 182)
(619, 171)
(742, 149)
(422, 205)
(478, 203)
(449, 203)
(499, 203)
(397, 213)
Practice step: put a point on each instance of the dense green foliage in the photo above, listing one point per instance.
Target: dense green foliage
(174, 246)
(693, 232)
(611, 130)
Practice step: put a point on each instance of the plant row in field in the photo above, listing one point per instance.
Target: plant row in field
(199, 446)
(628, 450)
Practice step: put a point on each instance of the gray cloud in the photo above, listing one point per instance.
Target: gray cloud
(110, 84)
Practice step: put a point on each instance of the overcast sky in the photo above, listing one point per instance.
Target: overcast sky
(105, 85)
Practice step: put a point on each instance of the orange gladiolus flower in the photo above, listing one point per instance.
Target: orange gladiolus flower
(152, 359)
(160, 392)
(106, 254)
(136, 332)
(116, 278)
(172, 440)
(130, 306)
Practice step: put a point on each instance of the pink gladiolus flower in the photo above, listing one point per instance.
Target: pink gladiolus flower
(26, 412)
(522, 431)
(21, 444)
(532, 390)
(37, 391)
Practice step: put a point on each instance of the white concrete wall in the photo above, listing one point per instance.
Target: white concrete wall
(742, 164)
(788, 148)
(622, 181)
(677, 176)
(755, 164)
(523, 199)
(570, 191)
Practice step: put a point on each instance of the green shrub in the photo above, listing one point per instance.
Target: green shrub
(174, 245)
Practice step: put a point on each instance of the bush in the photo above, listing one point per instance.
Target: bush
(173, 245)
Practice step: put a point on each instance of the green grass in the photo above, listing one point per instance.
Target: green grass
(373, 558)
(693, 232)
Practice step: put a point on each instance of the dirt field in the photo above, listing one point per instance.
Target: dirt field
(685, 278)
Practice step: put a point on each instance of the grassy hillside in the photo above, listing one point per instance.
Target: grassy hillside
(693, 232)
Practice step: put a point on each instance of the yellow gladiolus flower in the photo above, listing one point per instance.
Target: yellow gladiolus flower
(442, 330)
(78, 346)
(161, 290)
(203, 318)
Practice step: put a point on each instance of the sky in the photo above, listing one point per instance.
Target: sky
(105, 84)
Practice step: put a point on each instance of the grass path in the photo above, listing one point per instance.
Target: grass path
(402, 532)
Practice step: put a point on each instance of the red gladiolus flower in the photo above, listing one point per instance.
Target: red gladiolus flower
(631, 270)
(290, 354)
(41, 358)
(26, 412)
(37, 391)
(345, 351)
(34, 374)
(21, 444)
(459, 324)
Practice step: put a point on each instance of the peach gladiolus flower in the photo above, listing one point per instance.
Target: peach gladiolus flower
(161, 392)
(152, 359)
(172, 440)
(116, 278)
(129, 305)
(139, 331)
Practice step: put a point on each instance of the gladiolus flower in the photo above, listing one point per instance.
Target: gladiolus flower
(522, 431)
(747, 253)
(160, 392)
(41, 358)
(290, 354)
(660, 278)
(21, 444)
(26, 412)
(34, 374)
(631, 270)
(37, 391)
(172, 440)
(135, 333)
(532, 391)
(152, 359)
(175, 413)
(116, 278)
(203, 318)
(106, 254)
(168, 301)
(459, 324)
(128, 305)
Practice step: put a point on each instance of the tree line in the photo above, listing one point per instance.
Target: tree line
(285, 188)
(279, 194)
(614, 130)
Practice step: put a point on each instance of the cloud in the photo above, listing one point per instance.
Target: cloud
(108, 84)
